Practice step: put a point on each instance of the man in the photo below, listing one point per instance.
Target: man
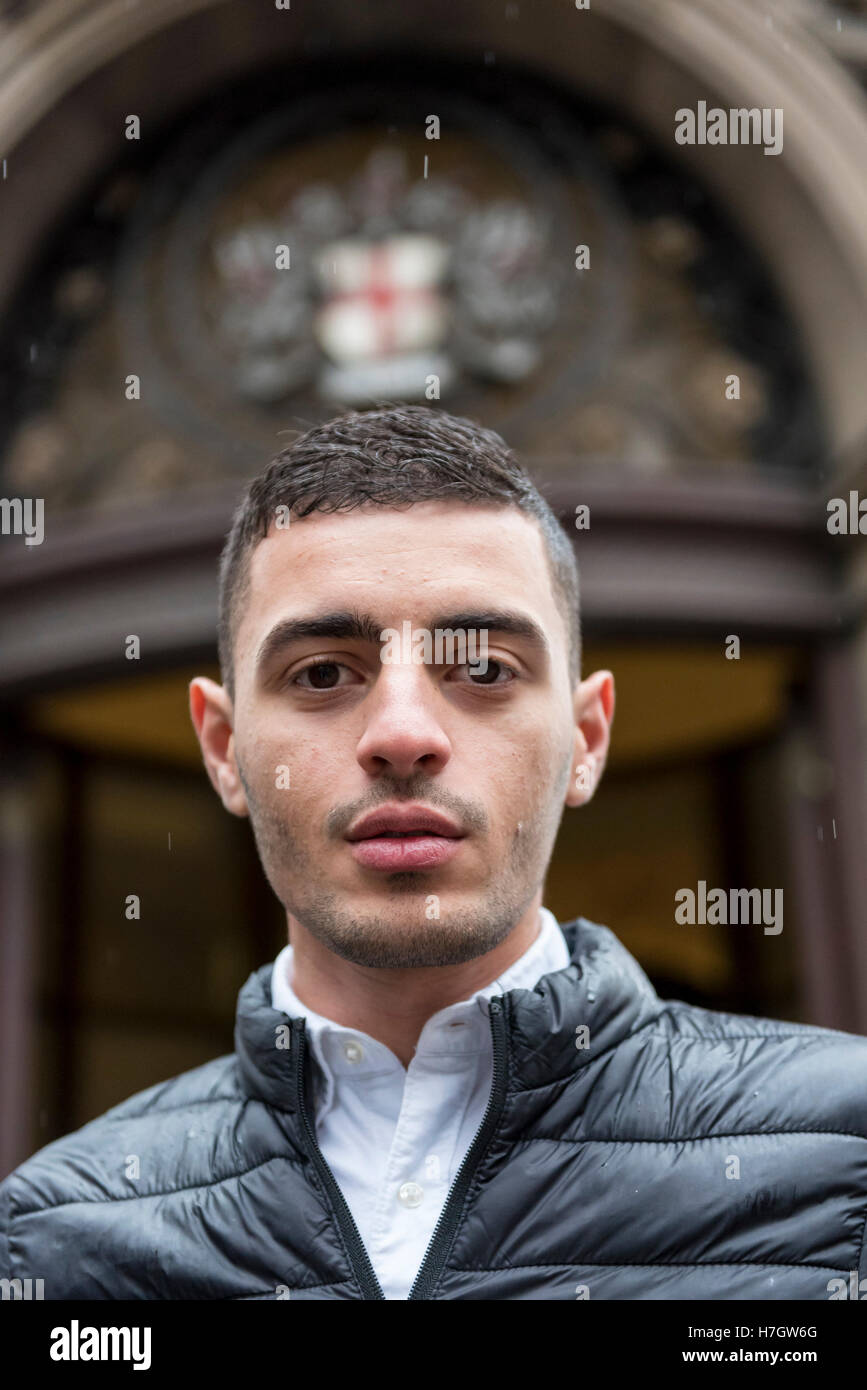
(438, 1092)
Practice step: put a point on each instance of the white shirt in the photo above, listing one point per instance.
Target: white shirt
(393, 1138)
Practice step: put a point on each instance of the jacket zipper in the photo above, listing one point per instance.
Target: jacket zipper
(445, 1229)
(358, 1256)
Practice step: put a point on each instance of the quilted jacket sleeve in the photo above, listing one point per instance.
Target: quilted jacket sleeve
(6, 1270)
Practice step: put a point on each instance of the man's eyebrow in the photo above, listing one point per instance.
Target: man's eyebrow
(361, 627)
(505, 620)
(358, 627)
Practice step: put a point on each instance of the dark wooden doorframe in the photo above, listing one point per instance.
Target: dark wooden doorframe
(827, 832)
(18, 945)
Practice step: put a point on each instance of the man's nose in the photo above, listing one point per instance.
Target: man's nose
(403, 732)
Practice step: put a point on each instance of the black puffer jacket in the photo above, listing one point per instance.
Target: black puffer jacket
(680, 1154)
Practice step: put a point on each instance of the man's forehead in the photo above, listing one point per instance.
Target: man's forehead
(417, 563)
(426, 545)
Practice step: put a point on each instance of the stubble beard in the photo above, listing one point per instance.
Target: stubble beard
(403, 936)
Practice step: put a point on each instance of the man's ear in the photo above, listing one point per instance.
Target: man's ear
(212, 715)
(594, 713)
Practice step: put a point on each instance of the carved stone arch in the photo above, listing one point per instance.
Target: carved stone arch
(70, 70)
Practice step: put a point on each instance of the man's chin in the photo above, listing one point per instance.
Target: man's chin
(401, 936)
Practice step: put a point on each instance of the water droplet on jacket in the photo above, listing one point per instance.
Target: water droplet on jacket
(591, 997)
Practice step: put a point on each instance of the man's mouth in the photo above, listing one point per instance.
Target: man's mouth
(397, 837)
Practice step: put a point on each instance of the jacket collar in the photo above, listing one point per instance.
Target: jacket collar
(603, 991)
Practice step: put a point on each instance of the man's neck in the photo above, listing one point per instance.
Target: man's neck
(394, 1005)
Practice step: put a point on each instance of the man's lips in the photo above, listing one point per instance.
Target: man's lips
(404, 820)
(404, 837)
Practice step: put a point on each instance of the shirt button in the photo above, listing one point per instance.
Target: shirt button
(353, 1051)
(410, 1194)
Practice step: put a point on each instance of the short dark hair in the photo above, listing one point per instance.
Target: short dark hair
(392, 456)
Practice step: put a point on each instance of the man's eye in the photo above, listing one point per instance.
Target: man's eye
(324, 675)
(486, 673)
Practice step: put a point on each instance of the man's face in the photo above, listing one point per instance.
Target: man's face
(326, 731)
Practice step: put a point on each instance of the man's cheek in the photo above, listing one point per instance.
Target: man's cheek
(535, 759)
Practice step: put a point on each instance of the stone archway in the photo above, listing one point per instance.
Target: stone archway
(69, 72)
